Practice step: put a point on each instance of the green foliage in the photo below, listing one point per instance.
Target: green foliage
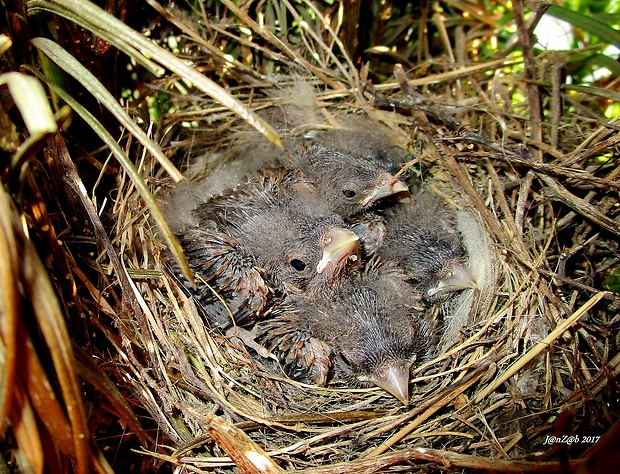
(613, 281)
(597, 30)
(594, 27)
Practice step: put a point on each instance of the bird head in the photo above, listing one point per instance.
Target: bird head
(359, 185)
(314, 263)
(383, 335)
(350, 182)
(303, 254)
(384, 359)
(431, 253)
(456, 276)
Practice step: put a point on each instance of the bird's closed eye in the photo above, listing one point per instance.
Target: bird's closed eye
(345, 359)
(298, 265)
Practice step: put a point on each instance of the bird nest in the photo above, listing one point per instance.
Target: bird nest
(533, 368)
(537, 358)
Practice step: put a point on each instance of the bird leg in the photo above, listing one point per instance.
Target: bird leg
(248, 338)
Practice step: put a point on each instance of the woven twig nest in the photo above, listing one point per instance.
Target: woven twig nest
(532, 350)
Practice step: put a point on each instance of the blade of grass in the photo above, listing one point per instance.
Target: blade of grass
(41, 394)
(5, 44)
(26, 433)
(73, 67)
(592, 90)
(137, 46)
(587, 23)
(31, 101)
(605, 61)
(136, 178)
(38, 290)
(9, 295)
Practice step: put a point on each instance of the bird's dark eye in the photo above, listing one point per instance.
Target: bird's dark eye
(349, 193)
(298, 265)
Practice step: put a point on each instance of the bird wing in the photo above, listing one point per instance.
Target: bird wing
(227, 281)
(301, 355)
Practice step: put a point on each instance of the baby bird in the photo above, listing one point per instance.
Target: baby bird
(268, 238)
(365, 140)
(421, 235)
(372, 331)
(349, 175)
(351, 171)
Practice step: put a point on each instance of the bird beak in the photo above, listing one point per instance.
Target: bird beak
(460, 279)
(391, 186)
(395, 380)
(341, 244)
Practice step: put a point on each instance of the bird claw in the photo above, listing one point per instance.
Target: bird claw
(318, 360)
(248, 339)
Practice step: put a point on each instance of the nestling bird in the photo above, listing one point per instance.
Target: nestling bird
(351, 171)
(421, 235)
(353, 166)
(348, 177)
(372, 331)
(270, 237)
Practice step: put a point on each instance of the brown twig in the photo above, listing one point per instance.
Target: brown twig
(533, 94)
(521, 159)
(244, 452)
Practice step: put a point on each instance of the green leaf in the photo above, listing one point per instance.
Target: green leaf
(597, 91)
(612, 281)
(605, 61)
(587, 23)
(608, 17)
